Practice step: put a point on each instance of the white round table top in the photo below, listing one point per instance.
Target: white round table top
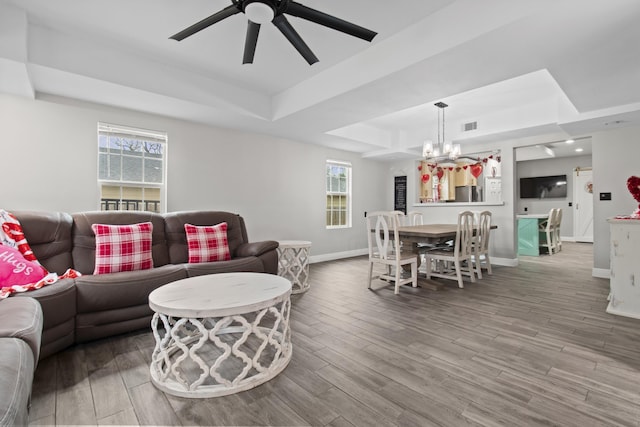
(286, 244)
(218, 295)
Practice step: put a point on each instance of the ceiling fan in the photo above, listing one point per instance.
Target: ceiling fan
(263, 11)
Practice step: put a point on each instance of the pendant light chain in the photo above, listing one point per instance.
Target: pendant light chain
(439, 143)
(443, 137)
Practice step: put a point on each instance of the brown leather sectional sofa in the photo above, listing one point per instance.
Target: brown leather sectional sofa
(96, 306)
(91, 307)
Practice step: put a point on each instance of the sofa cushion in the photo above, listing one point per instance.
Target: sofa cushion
(177, 239)
(16, 377)
(122, 247)
(207, 243)
(124, 289)
(84, 242)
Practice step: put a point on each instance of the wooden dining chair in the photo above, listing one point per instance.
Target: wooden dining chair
(480, 243)
(547, 232)
(399, 218)
(384, 249)
(557, 229)
(459, 254)
(414, 218)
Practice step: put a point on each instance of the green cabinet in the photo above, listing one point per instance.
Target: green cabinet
(528, 237)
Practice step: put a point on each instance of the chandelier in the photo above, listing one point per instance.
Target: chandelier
(443, 149)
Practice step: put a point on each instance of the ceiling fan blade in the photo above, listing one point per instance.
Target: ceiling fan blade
(206, 22)
(250, 42)
(304, 12)
(292, 35)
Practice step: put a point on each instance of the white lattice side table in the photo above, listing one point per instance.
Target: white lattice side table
(293, 263)
(220, 334)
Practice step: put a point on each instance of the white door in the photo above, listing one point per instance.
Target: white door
(583, 205)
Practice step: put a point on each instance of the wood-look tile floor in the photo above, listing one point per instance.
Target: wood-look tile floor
(525, 346)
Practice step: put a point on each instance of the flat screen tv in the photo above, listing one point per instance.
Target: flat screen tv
(543, 187)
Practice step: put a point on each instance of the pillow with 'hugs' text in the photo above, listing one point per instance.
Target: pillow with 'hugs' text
(16, 270)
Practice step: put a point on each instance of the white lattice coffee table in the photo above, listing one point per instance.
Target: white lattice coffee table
(293, 263)
(220, 334)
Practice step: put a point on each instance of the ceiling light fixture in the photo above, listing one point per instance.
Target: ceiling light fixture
(443, 150)
(570, 141)
(579, 150)
(259, 12)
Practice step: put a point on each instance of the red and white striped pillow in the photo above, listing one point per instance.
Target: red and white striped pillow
(207, 243)
(123, 247)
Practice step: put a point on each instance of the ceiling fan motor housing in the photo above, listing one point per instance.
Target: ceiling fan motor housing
(259, 11)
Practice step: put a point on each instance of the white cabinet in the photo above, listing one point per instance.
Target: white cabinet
(624, 297)
(493, 190)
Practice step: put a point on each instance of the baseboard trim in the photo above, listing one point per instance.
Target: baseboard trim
(337, 255)
(602, 273)
(574, 240)
(504, 262)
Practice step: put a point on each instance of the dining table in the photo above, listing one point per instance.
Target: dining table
(432, 234)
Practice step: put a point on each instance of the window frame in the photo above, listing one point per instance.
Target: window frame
(348, 193)
(108, 129)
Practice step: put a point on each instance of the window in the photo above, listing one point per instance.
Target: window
(131, 168)
(338, 194)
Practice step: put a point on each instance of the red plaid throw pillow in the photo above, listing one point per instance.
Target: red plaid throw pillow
(123, 247)
(207, 243)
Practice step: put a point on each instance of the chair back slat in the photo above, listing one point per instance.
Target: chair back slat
(398, 218)
(464, 234)
(382, 236)
(484, 230)
(551, 221)
(414, 218)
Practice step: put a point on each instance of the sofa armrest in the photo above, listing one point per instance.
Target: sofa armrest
(22, 318)
(256, 248)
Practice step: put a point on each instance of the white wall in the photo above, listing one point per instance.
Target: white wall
(616, 157)
(548, 167)
(49, 163)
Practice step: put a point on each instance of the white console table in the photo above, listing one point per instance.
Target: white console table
(293, 263)
(624, 296)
